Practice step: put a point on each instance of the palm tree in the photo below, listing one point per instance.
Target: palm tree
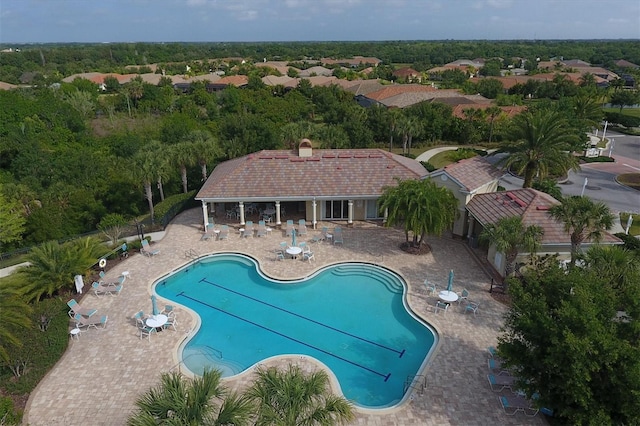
(14, 313)
(160, 162)
(541, 141)
(509, 235)
(619, 266)
(421, 206)
(493, 112)
(291, 398)
(181, 401)
(183, 156)
(582, 219)
(52, 266)
(146, 171)
(205, 148)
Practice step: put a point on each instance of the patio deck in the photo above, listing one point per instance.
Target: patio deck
(100, 376)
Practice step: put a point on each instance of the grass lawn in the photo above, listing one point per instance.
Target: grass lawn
(634, 112)
(635, 226)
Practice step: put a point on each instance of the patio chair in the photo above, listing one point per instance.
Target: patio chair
(317, 238)
(206, 236)
(147, 251)
(90, 322)
(146, 331)
(138, 317)
(171, 323)
(262, 229)
(472, 307)
(168, 310)
(302, 229)
(512, 404)
(224, 232)
(248, 229)
(100, 289)
(279, 255)
(308, 256)
(500, 383)
(75, 308)
(463, 296)
(432, 289)
(441, 306)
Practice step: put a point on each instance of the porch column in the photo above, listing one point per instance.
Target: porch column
(278, 223)
(205, 215)
(241, 204)
(313, 206)
(350, 218)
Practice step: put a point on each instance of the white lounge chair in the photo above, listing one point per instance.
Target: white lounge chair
(147, 250)
(75, 308)
(90, 322)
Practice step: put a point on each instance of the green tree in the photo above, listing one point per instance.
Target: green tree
(623, 98)
(183, 156)
(548, 186)
(540, 141)
(180, 401)
(421, 207)
(292, 398)
(113, 226)
(509, 235)
(563, 342)
(583, 219)
(490, 88)
(12, 220)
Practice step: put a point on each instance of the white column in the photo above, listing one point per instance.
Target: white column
(241, 204)
(278, 213)
(313, 206)
(350, 219)
(205, 215)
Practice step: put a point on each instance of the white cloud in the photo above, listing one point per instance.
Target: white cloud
(499, 4)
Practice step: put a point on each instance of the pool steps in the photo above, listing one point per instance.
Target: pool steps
(392, 285)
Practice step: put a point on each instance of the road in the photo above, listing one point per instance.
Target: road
(601, 184)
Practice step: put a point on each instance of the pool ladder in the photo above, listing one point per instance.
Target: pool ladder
(191, 254)
(418, 382)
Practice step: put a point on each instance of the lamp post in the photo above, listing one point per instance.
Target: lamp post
(139, 230)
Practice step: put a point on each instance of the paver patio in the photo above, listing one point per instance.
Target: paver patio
(100, 376)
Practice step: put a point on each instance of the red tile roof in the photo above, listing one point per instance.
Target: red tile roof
(471, 173)
(234, 80)
(529, 203)
(397, 89)
(282, 174)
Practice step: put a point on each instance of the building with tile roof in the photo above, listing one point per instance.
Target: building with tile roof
(465, 179)
(532, 206)
(317, 184)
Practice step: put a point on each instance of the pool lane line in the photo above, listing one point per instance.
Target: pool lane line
(386, 376)
(401, 353)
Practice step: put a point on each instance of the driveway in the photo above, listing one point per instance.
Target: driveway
(98, 379)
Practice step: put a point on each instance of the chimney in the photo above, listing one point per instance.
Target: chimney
(305, 149)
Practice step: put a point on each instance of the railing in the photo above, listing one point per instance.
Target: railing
(418, 382)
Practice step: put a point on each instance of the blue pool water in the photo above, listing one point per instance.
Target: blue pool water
(350, 316)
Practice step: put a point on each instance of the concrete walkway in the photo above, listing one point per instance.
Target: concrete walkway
(100, 376)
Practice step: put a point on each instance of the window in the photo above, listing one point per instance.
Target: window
(336, 209)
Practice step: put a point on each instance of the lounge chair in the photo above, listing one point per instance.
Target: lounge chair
(492, 352)
(495, 366)
(121, 280)
(90, 322)
(147, 251)
(317, 238)
(302, 229)
(337, 236)
(110, 289)
(499, 383)
(75, 308)
(224, 232)
(289, 228)
(512, 404)
(248, 229)
(262, 229)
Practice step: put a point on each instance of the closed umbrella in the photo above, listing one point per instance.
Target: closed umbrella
(450, 284)
(293, 237)
(154, 305)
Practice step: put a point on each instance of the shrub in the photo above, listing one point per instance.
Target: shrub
(461, 154)
(622, 119)
(630, 242)
(409, 155)
(427, 165)
(600, 159)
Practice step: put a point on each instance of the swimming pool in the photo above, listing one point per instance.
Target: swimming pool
(351, 316)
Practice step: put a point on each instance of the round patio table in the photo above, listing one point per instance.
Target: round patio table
(157, 321)
(448, 296)
(294, 251)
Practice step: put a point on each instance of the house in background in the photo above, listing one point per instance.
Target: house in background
(533, 207)
(466, 179)
(314, 184)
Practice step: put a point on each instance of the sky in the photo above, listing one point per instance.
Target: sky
(55, 21)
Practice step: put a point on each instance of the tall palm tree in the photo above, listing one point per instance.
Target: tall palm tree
(421, 206)
(183, 156)
(540, 141)
(180, 401)
(14, 313)
(205, 148)
(145, 170)
(292, 398)
(582, 219)
(160, 161)
(509, 235)
(493, 112)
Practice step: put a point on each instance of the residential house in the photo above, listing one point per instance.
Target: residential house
(466, 179)
(314, 184)
(408, 75)
(533, 207)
